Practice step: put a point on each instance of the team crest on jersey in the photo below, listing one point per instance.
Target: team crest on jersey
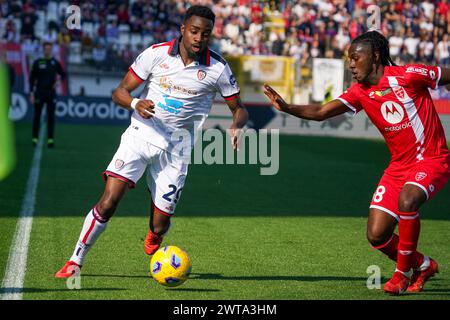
(119, 164)
(420, 176)
(232, 80)
(201, 74)
(432, 74)
(399, 92)
(392, 112)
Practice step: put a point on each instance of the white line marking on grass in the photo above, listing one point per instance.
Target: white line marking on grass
(12, 285)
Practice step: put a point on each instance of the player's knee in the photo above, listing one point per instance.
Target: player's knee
(106, 207)
(408, 204)
(376, 237)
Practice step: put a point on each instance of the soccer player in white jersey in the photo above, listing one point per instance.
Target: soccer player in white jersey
(181, 79)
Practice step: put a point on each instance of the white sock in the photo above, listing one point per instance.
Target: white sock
(93, 226)
(406, 274)
(425, 264)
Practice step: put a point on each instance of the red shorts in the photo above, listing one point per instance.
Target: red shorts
(430, 175)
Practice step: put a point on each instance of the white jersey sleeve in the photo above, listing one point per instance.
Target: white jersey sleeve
(227, 84)
(144, 63)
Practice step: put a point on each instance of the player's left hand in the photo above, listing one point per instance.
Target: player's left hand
(277, 101)
(145, 108)
(235, 136)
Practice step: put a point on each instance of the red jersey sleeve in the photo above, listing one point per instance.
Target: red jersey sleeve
(422, 76)
(351, 98)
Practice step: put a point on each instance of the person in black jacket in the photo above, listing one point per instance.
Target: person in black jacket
(42, 90)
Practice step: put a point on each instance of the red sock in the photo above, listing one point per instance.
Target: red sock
(390, 248)
(409, 230)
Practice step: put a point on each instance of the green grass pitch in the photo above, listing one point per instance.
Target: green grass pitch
(299, 234)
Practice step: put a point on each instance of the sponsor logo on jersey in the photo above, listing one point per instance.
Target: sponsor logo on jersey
(167, 84)
(164, 66)
(399, 127)
(420, 176)
(171, 105)
(380, 93)
(383, 93)
(119, 164)
(201, 74)
(392, 112)
(417, 70)
(431, 187)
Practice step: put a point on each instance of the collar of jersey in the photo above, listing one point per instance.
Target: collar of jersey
(204, 58)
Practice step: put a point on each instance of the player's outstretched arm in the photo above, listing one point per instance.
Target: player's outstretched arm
(122, 96)
(240, 118)
(445, 77)
(316, 112)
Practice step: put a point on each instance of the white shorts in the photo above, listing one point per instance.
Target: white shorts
(165, 175)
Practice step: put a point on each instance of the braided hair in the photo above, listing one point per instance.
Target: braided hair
(378, 43)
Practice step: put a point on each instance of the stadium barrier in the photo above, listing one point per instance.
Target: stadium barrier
(94, 110)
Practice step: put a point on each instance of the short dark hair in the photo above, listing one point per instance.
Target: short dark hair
(200, 11)
(377, 42)
(47, 43)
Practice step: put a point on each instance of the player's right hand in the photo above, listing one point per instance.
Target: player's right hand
(277, 101)
(145, 108)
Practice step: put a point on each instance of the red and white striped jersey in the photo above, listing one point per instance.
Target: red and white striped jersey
(183, 94)
(400, 106)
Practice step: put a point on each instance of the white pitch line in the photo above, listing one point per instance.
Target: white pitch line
(12, 285)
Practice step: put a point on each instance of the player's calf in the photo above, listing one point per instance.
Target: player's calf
(159, 226)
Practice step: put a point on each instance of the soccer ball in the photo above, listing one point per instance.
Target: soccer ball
(170, 266)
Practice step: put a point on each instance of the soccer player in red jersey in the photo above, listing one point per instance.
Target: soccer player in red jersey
(398, 102)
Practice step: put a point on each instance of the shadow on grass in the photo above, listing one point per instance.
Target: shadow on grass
(193, 290)
(218, 276)
(40, 290)
(445, 292)
(114, 276)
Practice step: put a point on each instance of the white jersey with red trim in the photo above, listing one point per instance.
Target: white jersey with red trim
(400, 106)
(183, 95)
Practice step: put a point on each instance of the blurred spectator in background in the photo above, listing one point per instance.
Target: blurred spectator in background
(308, 28)
(112, 33)
(28, 20)
(99, 55)
(443, 51)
